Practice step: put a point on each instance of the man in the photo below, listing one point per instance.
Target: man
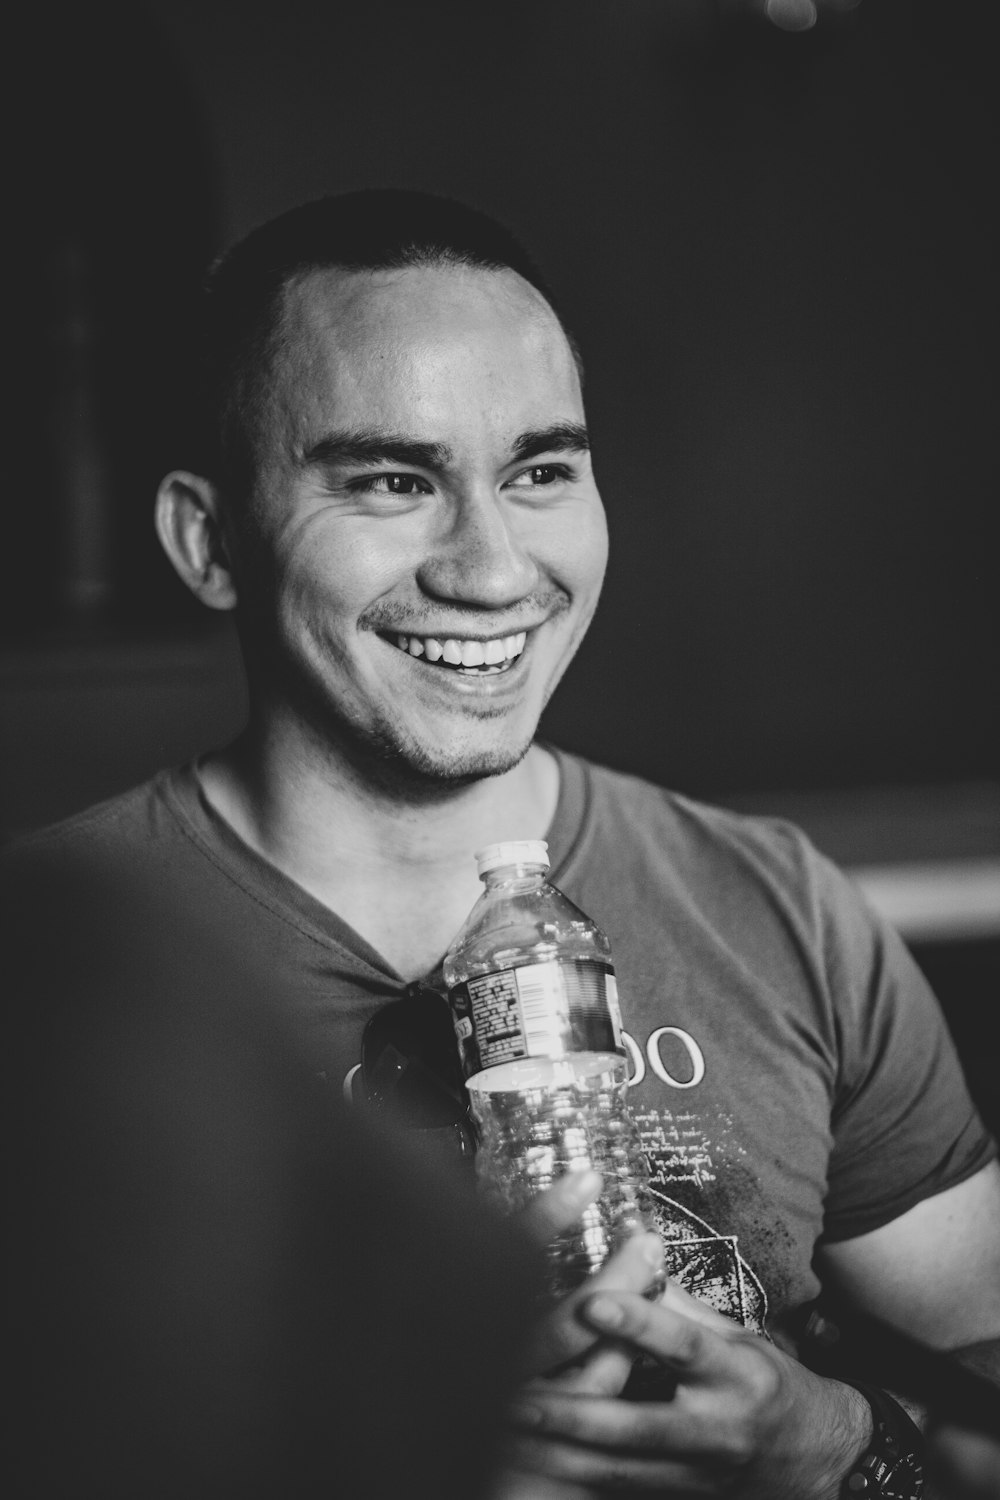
(401, 510)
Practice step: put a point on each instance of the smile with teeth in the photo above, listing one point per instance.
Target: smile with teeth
(479, 657)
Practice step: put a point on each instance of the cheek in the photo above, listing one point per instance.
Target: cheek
(583, 553)
(372, 560)
(346, 569)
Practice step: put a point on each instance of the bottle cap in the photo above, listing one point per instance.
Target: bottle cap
(514, 852)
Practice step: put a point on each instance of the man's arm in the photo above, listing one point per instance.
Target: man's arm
(747, 1419)
(934, 1272)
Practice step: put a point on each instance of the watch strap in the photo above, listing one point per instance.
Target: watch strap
(892, 1464)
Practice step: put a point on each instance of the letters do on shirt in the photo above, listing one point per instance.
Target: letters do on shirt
(653, 1058)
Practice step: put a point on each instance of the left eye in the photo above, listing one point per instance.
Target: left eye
(391, 484)
(541, 474)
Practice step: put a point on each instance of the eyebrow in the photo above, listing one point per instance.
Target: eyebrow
(371, 446)
(561, 437)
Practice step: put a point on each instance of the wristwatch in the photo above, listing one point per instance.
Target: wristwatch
(891, 1467)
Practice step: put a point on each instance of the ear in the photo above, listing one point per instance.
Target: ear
(189, 525)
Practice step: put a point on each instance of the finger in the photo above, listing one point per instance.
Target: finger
(518, 1484)
(688, 1345)
(675, 1297)
(599, 1422)
(601, 1466)
(674, 1442)
(559, 1207)
(603, 1371)
(595, 1471)
(561, 1336)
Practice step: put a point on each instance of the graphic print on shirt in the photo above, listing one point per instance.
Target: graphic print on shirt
(685, 1164)
(700, 1257)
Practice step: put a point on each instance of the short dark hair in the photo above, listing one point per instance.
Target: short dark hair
(369, 230)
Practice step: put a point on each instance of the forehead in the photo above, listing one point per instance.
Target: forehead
(419, 348)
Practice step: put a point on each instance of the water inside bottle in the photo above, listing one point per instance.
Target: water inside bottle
(531, 982)
(541, 1117)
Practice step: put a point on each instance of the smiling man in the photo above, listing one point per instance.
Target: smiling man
(414, 556)
(398, 504)
(424, 498)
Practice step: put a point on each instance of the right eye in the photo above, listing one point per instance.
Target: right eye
(390, 484)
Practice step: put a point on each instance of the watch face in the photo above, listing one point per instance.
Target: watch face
(896, 1478)
(892, 1467)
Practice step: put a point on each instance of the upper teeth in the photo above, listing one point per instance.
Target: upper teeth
(464, 653)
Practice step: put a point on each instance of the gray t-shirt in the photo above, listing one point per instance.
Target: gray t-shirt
(792, 1075)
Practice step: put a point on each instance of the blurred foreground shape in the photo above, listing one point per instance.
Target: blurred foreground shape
(222, 1282)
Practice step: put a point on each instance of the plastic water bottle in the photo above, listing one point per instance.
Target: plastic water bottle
(535, 1007)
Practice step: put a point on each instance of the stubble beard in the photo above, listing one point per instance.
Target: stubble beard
(404, 766)
(382, 756)
(408, 771)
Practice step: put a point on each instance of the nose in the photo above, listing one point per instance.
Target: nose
(480, 557)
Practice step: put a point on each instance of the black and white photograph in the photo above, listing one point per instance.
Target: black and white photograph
(500, 750)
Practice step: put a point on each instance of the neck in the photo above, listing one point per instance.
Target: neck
(396, 864)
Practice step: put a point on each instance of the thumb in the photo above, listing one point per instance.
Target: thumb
(559, 1207)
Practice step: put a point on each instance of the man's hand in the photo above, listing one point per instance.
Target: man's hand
(563, 1345)
(746, 1419)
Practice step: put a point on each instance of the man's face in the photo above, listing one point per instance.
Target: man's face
(428, 543)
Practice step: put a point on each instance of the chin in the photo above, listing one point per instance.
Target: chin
(441, 769)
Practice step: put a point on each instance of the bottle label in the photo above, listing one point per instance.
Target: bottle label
(536, 1010)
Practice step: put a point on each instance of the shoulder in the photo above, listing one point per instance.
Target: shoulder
(644, 814)
(757, 882)
(126, 826)
(82, 895)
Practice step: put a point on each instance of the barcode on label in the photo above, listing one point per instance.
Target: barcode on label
(542, 994)
(567, 1006)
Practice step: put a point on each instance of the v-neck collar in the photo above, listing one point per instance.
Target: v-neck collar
(292, 903)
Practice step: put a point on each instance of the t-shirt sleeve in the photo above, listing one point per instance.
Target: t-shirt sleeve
(904, 1124)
